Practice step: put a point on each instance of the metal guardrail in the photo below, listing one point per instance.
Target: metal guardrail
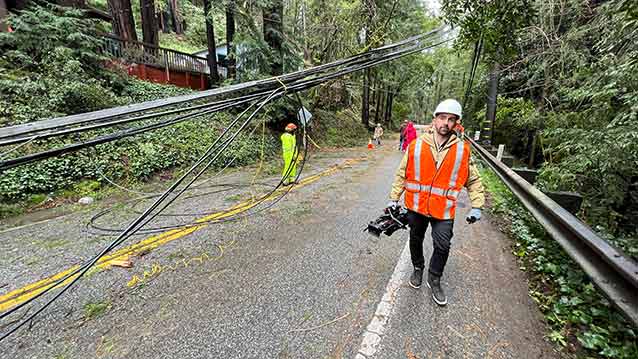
(613, 272)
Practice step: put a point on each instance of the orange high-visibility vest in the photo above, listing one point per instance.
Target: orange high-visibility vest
(431, 191)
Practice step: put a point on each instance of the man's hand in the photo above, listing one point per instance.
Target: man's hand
(475, 215)
(392, 205)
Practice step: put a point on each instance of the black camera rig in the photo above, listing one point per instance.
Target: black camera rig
(392, 219)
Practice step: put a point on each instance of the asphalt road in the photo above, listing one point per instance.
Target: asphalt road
(300, 280)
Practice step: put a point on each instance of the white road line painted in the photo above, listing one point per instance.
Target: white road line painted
(374, 331)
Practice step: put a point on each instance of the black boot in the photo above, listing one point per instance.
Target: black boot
(434, 283)
(417, 278)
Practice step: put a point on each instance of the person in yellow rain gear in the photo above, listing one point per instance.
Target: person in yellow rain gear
(289, 148)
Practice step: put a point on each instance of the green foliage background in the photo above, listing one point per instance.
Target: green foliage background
(567, 89)
(580, 318)
(50, 68)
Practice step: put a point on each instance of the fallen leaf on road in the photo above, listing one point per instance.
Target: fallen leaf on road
(123, 263)
(408, 351)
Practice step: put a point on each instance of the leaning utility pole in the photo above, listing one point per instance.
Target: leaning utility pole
(488, 129)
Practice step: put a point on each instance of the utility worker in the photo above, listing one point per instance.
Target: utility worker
(289, 149)
(378, 132)
(432, 173)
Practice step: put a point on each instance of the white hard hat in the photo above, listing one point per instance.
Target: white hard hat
(449, 106)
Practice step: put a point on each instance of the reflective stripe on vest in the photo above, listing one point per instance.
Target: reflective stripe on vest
(433, 191)
(417, 172)
(438, 191)
(455, 175)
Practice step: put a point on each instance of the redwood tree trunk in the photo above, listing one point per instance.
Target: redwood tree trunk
(3, 16)
(149, 22)
(378, 103)
(123, 21)
(388, 106)
(365, 98)
(273, 34)
(212, 48)
(176, 17)
(164, 21)
(230, 35)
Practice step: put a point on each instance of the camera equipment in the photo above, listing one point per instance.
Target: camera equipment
(392, 219)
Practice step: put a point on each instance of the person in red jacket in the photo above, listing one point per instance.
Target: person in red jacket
(404, 125)
(410, 135)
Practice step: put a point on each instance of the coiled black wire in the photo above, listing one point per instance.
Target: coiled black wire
(142, 220)
(212, 154)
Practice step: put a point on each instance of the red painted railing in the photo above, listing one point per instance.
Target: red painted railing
(159, 64)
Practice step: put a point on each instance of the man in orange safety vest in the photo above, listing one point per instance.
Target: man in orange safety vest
(434, 170)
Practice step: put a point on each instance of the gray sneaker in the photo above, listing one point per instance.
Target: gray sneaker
(434, 283)
(416, 279)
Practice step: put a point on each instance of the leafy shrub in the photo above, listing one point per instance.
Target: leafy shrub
(339, 129)
(50, 66)
(141, 91)
(40, 30)
(60, 80)
(580, 318)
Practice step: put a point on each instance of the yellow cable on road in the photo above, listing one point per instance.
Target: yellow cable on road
(313, 142)
(20, 295)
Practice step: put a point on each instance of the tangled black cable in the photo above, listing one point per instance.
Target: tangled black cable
(130, 230)
(358, 62)
(205, 161)
(96, 229)
(147, 216)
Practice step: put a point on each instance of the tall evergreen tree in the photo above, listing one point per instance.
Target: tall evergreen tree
(123, 21)
(149, 22)
(274, 34)
(212, 47)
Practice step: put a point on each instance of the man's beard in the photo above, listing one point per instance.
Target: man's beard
(442, 129)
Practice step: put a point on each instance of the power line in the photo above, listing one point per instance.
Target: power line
(198, 168)
(294, 86)
(12, 132)
(478, 47)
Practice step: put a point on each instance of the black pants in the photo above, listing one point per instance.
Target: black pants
(442, 231)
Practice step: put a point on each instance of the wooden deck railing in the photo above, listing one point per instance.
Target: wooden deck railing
(147, 54)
